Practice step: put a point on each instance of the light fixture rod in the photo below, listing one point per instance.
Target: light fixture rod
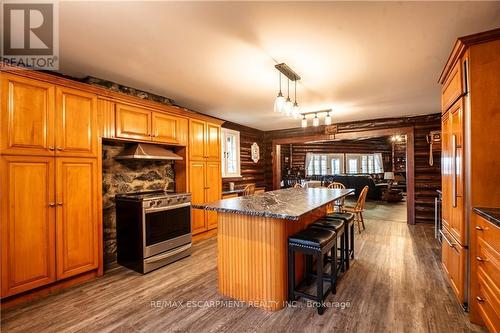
(316, 112)
(287, 71)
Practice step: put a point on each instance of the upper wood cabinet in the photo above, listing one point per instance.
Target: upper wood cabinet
(146, 125)
(204, 140)
(77, 216)
(27, 116)
(45, 120)
(452, 88)
(27, 223)
(76, 123)
(169, 129)
(133, 122)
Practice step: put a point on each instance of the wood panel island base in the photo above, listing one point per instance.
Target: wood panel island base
(252, 241)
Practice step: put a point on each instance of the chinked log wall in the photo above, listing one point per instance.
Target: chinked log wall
(375, 145)
(251, 172)
(427, 178)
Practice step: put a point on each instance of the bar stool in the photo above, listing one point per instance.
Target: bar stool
(312, 242)
(337, 225)
(348, 218)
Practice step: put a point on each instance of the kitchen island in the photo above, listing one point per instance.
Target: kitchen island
(252, 240)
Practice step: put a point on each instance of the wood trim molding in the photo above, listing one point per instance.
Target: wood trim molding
(410, 156)
(462, 44)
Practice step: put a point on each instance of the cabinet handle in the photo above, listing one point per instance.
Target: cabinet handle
(51, 148)
(59, 203)
(454, 174)
(446, 239)
(59, 148)
(479, 299)
(51, 204)
(479, 228)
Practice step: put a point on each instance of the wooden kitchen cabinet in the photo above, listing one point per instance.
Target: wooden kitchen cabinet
(76, 123)
(453, 257)
(204, 140)
(133, 122)
(43, 119)
(213, 190)
(169, 129)
(27, 116)
(77, 216)
(206, 183)
(197, 171)
(27, 223)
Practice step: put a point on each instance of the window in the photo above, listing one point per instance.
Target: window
(364, 163)
(324, 164)
(230, 153)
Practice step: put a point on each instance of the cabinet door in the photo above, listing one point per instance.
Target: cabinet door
(27, 116)
(212, 147)
(77, 215)
(76, 123)
(446, 170)
(165, 128)
(197, 139)
(133, 122)
(213, 183)
(457, 221)
(453, 260)
(27, 222)
(197, 171)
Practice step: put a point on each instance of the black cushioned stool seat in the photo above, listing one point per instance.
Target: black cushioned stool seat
(338, 226)
(349, 233)
(312, 242)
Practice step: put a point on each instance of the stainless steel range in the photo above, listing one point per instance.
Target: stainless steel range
(153, 229)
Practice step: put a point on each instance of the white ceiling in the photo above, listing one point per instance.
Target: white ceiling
(364, 60)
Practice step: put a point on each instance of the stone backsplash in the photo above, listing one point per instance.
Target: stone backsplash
(125, 176)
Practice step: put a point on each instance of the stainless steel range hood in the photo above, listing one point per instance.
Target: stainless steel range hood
(144, 151)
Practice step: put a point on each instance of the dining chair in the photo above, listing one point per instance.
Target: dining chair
(338, 203)
(359, 208)
(249, 189)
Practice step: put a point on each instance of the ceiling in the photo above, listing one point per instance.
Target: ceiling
(363, 59)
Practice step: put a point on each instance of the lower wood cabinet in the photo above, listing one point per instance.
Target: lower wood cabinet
(27, 223)
(77, 216)
(205, 186)
(49, 220)
(453, 257)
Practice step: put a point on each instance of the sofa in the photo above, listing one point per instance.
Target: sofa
(357, 182)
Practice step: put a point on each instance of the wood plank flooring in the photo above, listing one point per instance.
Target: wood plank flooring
(394, 285)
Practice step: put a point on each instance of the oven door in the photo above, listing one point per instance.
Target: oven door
(166, 228)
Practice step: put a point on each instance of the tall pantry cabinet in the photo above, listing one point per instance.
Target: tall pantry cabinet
(470, 105)
(50, 194)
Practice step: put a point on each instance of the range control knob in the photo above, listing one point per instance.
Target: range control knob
(151, 203)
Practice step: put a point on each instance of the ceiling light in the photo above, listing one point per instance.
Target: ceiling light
(315, 120)
(295, 109)
(279, 103)
(288, 103)
(328, 119)
(304, 121)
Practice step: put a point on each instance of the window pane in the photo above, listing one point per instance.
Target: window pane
(364, 164)
(323, 165)
(352, 165)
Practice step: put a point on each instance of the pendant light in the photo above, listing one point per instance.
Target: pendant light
(279, 103)
(315, 120)
(288, 103)
(295, 109)
(304, 121)
(328, 119)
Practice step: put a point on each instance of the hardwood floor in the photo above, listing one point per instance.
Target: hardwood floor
(394, 285)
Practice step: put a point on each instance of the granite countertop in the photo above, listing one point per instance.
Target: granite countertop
(289, 204)
(490, 214)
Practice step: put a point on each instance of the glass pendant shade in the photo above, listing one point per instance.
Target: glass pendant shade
(315, 121)
(279, 103)
(288, 107)
(304, 122)
(328, 119)
(295, 110)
